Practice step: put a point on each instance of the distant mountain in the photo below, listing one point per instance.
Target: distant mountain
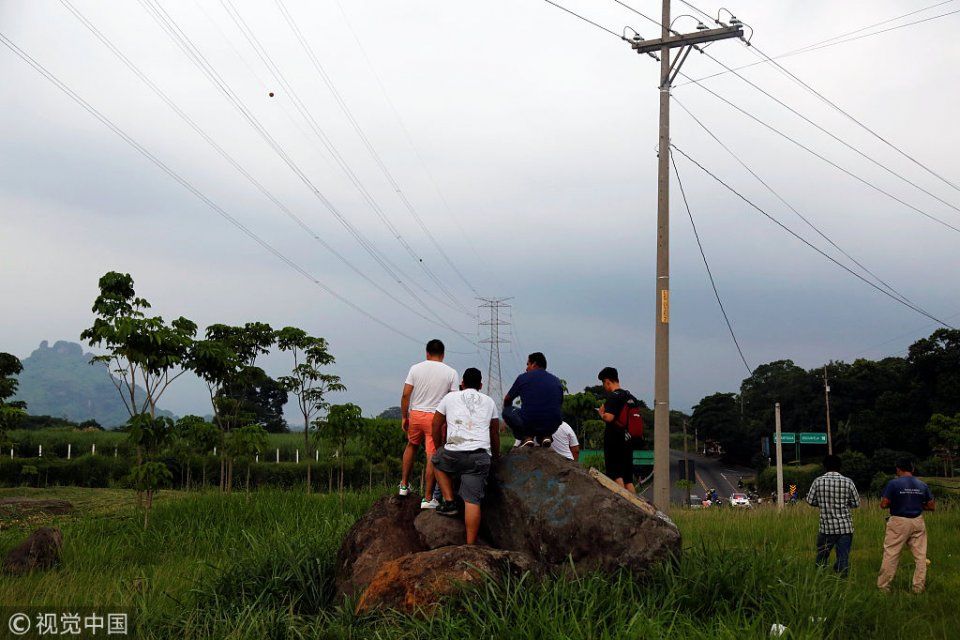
(59, 381)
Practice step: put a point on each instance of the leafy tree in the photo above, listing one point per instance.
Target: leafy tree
(717, 417)
(148, 478)
(196, 438)
(139, 348)
(306, 381)
(11, 412)
(243, 444)
(260, 400)
(343, 422)
(945, 439)
(579, 407)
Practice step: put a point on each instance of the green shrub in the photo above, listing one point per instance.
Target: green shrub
(803, 477)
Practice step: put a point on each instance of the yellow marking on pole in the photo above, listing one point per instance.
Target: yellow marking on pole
(665, 306)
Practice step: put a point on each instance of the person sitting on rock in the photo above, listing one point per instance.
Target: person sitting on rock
(541, 398)
(472, 438)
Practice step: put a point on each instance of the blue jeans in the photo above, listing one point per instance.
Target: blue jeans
(839, 541)
(522, 429)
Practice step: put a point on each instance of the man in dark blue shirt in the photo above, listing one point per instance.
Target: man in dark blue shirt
(541, 397)
(907, 498)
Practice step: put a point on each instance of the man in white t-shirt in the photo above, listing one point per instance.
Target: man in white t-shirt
(565, 442)
(471, 440)
(426, 384)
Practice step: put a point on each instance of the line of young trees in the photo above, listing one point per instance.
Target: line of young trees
(146, 352)
(909, 405)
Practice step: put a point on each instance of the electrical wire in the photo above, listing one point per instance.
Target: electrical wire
(807, 242)
(104, 120)
(278, 75)
(809, 223)
(186, 45)
(366, 141)
(826, 43)
(706, 264)
(587, 20)
(232, 161)
(872, 132)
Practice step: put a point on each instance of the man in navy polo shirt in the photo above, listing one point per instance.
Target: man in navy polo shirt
(541, 398)
(907, 498)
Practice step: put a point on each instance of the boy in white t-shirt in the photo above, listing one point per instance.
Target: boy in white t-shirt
(472, 439)
(426, 384)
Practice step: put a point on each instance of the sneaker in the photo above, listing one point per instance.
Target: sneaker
(448, 508)
(404, 489)
(429, 504)
(528, 442)
(546, 441)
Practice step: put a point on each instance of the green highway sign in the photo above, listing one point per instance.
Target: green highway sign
(789, 437)
(813, 438)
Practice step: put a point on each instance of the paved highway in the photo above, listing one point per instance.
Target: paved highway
(711, 473)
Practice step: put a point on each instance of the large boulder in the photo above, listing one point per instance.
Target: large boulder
(41, 550)
(549, 507)
(416, 583)
(384, 533)
(437, 531)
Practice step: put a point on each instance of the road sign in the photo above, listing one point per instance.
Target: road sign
(789, 437)
(808, 437)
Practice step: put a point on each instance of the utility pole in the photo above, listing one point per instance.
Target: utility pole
(779, 437)
(494, 383)
(668, 40)
(826, 397)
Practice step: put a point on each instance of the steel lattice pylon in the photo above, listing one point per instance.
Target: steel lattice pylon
(494, 381)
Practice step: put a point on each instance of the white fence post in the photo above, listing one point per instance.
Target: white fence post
(256, 458)
(318, 455)
(93, 449)
(69, 449)
(40, 454)
(278, 455)
(298, 456)
(214, 451)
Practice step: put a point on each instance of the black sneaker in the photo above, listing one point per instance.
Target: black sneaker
(546, 441)
(448, 509)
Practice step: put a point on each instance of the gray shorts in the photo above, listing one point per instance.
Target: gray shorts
(472, 467)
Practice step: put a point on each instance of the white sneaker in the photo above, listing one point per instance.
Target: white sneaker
(429, 504)
(404, 489)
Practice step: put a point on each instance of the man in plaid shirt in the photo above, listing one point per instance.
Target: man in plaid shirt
(835, 495)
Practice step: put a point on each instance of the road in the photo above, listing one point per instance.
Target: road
(711, 473)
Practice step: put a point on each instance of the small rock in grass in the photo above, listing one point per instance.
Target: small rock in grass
(41, 550)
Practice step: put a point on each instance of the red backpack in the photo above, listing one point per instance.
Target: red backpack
(630, 419)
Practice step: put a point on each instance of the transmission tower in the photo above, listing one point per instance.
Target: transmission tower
(494, 383)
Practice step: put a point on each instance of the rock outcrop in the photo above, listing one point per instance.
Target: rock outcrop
(549, 507)
(384, 533)
(41, 550)
(437, 531)
(416, 583)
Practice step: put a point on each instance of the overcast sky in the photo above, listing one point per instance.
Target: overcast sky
(540, 132)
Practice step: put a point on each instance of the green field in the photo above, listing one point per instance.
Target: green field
(259, 566)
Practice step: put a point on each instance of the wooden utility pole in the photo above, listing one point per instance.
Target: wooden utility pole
(826, 397)
(779, 438)
(668, 40)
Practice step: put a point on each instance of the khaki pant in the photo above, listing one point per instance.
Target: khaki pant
(911, 532)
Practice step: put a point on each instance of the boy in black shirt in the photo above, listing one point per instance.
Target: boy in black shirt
(617, 452)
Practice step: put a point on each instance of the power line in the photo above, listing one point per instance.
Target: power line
(826, 43)
(808, 243)
(451, 214)
(587, 20)
(706, 264)
(278, 75)
(872, 132)
(193, 53)
(231, 160)
(39, 68)
(809, 223)
(366, 141)
(827, 160)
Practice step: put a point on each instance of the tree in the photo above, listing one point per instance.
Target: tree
(149, 434)
(140, 348)
(243, 444)
(11, 412)
(945, 439)
(717, 417)
(343, 422)
(196, 438)
(306, 381)
(578, 407)
(148, 478)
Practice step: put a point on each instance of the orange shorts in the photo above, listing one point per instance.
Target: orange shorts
(421, 430)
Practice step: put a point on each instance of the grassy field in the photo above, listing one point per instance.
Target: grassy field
(259, 566)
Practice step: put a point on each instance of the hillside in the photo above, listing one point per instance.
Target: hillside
(59, 381)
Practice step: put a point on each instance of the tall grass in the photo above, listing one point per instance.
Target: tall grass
(215, 566)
